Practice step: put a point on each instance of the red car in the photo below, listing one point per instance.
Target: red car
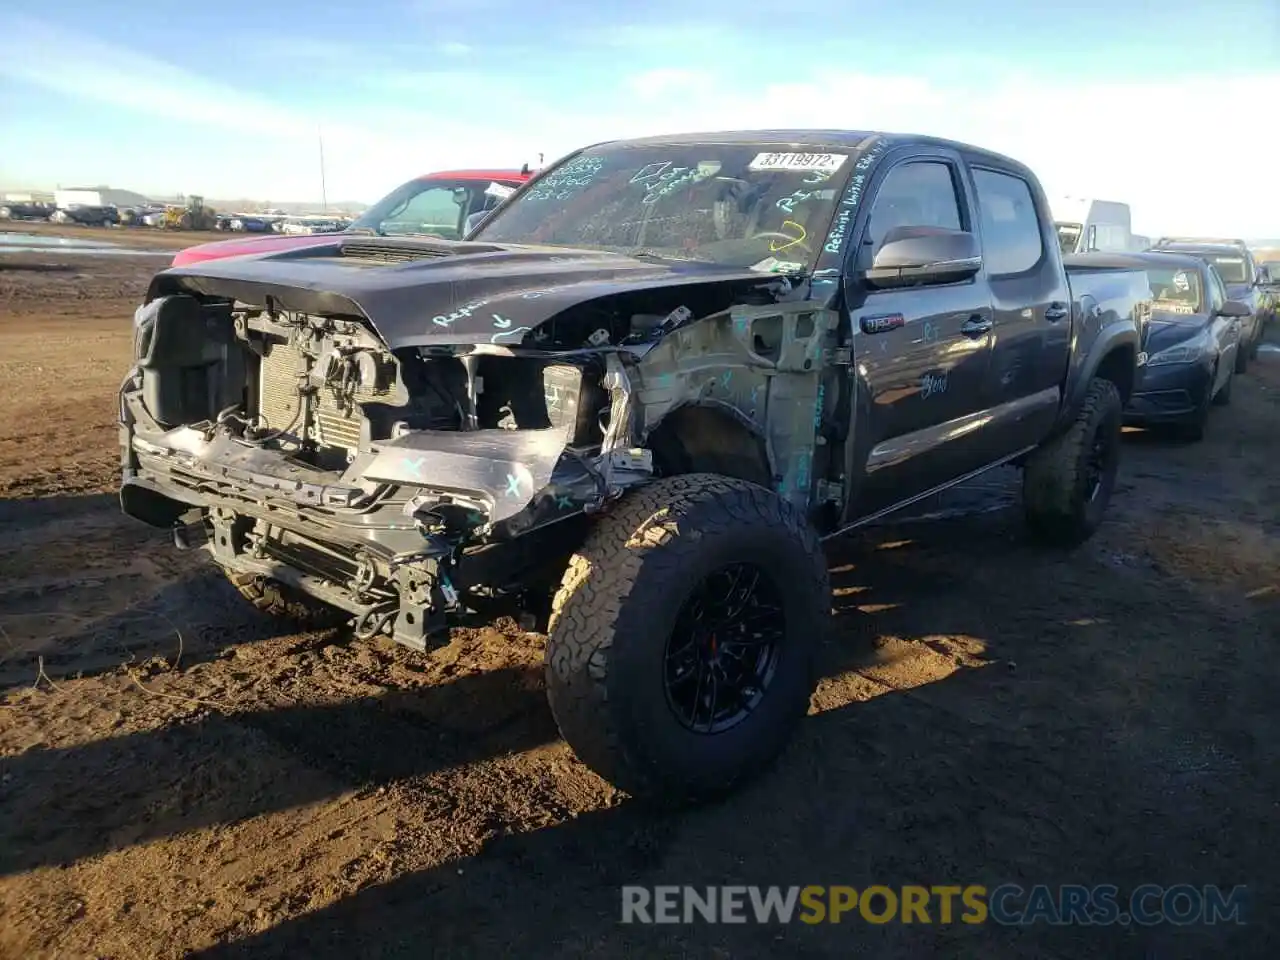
(436, 203)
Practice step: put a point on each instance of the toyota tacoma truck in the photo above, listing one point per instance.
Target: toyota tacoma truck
(638, 397)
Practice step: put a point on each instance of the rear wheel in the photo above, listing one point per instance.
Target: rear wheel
(282, 601)
(680, 655)
(1067, 482)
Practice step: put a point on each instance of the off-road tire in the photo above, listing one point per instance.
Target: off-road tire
(283, 602)
(618, 603)
(1055, 488)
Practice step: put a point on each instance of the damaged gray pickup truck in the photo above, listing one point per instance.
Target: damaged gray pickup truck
(637, 398)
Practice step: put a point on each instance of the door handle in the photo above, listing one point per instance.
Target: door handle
(1055, 311)
(976, 326)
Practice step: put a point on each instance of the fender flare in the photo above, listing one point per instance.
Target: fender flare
(1122, 335)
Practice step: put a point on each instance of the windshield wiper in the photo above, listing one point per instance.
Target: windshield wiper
(366, 231)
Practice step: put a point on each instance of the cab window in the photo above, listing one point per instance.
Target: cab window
(1011, 241)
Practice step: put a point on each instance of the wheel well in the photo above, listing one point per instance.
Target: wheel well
(703, 439)
(1118, 367)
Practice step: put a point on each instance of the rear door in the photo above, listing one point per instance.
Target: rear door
(1031, 307)
(921, 353)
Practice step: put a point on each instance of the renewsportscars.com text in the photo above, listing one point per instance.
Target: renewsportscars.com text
(1007, 904)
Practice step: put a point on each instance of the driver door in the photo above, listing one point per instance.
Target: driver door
(922, 353)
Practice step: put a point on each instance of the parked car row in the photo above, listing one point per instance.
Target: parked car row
(632, 393)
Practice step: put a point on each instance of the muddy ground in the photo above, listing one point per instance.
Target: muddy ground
(178, 777)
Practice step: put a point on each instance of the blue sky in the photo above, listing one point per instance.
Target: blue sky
(1112, 99)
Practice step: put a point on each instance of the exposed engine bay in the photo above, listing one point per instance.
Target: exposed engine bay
(406, 484)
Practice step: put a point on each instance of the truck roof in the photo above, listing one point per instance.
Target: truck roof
(1130, 261)
(848, 139)
(1221, 247)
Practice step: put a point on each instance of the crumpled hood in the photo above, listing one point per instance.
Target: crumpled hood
(420, 291)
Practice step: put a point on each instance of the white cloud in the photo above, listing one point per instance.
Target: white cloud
(1145, 143)
(455, 49)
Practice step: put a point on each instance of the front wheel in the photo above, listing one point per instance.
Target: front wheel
(1067, 482)
(680, 654)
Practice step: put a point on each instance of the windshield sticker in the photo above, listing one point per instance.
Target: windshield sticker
(562, 183)
(498, 190)
(1181, 282)
(824, 162)
(774, 265)
(1172, 306)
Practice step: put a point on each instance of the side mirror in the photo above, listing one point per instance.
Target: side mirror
(1264, 277)
(473, 221)
(915, 256)
(1234, 308)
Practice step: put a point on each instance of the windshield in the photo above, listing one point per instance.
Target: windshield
(1175, 290)
(734, 204)
(428, 207)
(1068, 236)
(1232, 269)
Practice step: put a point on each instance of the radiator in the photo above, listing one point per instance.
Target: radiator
(283, 368)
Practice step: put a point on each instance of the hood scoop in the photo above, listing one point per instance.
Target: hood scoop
(409, 249)
(382, 251)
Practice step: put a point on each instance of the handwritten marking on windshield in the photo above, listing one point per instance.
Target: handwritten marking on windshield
(563, 183)
(773, 244)
(502, 323)
(849, 202)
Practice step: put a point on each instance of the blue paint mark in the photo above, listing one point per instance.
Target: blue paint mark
(741, 324)
(802, 473)
(755, 394)
(818, 406)
(502, 323)
(563, 502)
(414, 466)
(664, 380)
(725, 378)
(508, 333)
(513, 485)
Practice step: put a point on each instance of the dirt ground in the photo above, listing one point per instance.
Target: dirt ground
(179, 778)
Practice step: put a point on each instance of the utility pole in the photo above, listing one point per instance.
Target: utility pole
(324, 194)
